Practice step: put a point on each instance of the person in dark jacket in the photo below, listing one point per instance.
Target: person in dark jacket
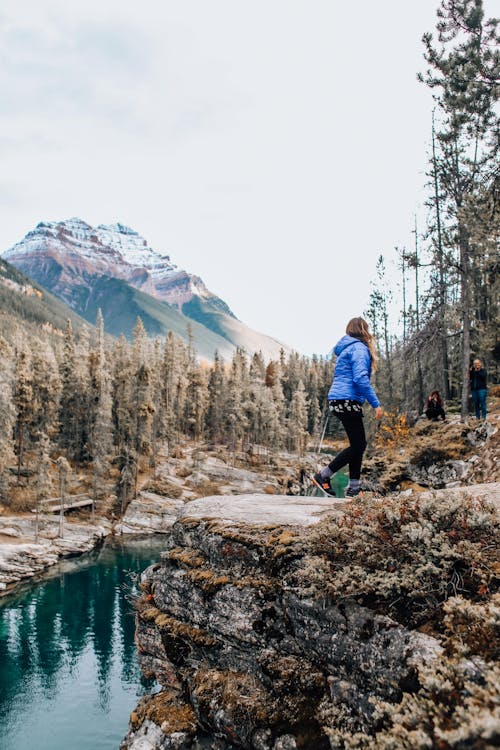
(478, 388)
(434, 407)
(351, 387)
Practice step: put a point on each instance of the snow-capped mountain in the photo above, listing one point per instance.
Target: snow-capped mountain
(114, 250)
(81, 264)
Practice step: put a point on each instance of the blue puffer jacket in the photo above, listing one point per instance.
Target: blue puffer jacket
(352, 372)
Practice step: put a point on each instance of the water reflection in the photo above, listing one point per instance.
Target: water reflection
(68, 673)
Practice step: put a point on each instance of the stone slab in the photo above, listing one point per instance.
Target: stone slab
(263, 510)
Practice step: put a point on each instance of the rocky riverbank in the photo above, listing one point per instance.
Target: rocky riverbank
(428, 455)
(271, 627)
(24, 553)
(21, 557)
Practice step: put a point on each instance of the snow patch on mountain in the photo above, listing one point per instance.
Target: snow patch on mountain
(113, 250)
(134, 249)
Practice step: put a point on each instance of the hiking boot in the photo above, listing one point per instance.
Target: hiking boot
(323, 485)
(351, 492)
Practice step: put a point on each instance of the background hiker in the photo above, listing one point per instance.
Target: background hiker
(478, 388)
(351, 387)
(434, 407)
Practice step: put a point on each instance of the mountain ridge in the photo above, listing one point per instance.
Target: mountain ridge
(24, 302)
(76, 262)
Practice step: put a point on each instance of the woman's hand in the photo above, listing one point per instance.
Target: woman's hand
(378, 412)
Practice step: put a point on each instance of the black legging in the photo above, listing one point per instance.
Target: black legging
(353, 455)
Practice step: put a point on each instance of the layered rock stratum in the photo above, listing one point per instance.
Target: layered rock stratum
(276, 622)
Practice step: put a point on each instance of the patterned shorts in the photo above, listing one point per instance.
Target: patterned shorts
(345, 406)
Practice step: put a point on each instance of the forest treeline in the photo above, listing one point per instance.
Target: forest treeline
(87, 400)
(449, 279)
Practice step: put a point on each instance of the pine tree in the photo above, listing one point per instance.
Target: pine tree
(100, 416)
(64, 469)
(43, 478)
(441, 264)
(196, 401)
(234, 416)
(174, 387)
(46, 386)
(23, 392)
(81, 448)
(273, 381)
(122, 409)
(7, 413)
(127, 479)
(314, 398)
(158, 421)
(297, 421)
(217, 389)
(142, 402)
(378, 313)
(68, 411)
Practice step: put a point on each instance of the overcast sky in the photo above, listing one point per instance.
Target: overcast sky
(273, 147)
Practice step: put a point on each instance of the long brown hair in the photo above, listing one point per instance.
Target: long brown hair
(358, 328)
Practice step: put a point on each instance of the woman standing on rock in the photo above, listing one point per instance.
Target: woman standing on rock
(351, 387)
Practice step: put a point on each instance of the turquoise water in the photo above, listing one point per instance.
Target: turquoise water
(68, 671)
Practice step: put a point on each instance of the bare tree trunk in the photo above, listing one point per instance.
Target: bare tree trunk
(61, 508)
(466, 317)
(443, 343)
(20, 447)
(405, 336)
(387, 346)
(420, 379)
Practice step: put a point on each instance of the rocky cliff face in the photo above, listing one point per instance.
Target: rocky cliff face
(289, 633)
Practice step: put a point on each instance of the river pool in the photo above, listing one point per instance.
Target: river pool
(68, 671)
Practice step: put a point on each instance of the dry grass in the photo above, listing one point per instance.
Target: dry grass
(408, 557)
(164, 488)
(169, 626)
(207, 489)
(166, 710)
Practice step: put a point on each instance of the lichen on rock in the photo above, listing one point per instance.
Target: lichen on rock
(372, 628)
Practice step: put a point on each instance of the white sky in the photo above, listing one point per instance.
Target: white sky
(273, 147)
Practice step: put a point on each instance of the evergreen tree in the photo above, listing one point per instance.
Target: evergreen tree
(142, 401)
(64, 470)
(314, 398)
(234, 416)
(83, 426)
(464, 73)
(7, 414)
(158, 421)
(171, 373)
(217, 389)
(297, 421)
(278, 418)
(196, 401)
(122, 409)
(100, 415)
(127, 478)
(69, 401)
(380, 299)
(23, 392)
(46, 389)
(43, 478)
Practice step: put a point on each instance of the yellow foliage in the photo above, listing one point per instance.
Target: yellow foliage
(393, 429)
